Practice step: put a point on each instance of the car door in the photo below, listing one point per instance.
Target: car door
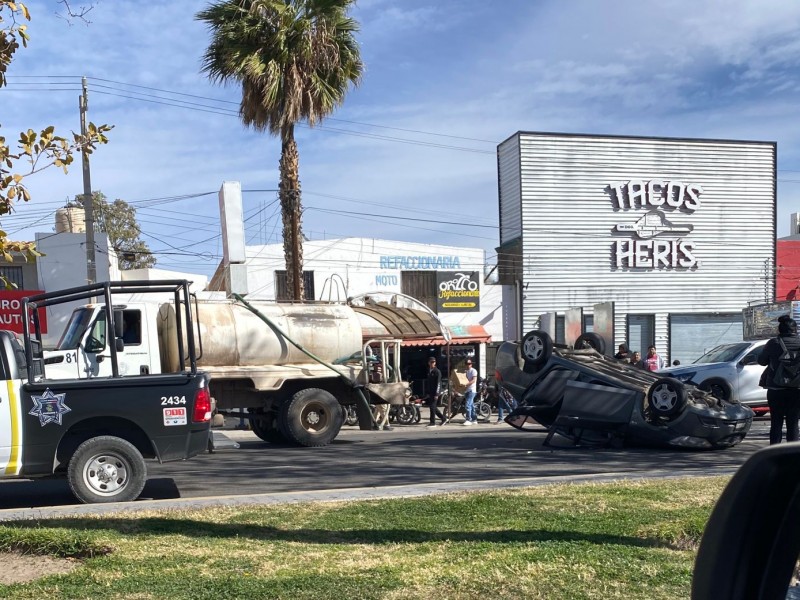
(749, 373)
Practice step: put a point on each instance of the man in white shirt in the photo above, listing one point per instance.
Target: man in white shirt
(469, 395)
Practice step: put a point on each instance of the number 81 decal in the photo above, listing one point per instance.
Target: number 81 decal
(172, 400)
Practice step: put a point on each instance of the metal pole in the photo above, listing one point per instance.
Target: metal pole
(88, 207)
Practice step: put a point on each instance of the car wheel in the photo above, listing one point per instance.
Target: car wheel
(666, 397)
(106, 469)
(719, 388)
(591, 340)
(537, 347)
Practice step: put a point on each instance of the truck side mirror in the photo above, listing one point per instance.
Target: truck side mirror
(119, 323)
(119, 344)
(751, 542)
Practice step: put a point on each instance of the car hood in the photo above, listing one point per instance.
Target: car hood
(693, 368)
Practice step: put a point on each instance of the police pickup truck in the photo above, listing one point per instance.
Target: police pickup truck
(98, 432)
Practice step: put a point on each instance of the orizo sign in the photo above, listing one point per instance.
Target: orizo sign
(11, 310)
(655, 196)
(458, 291)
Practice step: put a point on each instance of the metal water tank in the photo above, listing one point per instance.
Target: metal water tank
(70, 219)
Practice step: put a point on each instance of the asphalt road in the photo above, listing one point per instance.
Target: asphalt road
(406, 455)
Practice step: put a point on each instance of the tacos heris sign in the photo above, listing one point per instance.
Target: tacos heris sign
(458, 291)
(655, 197)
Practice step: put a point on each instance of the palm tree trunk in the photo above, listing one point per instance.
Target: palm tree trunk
(289, 191)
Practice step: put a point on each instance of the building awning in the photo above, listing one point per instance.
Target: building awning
(415, 327)
(459, 334)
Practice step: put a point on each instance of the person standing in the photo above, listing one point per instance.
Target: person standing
(784, 402)
(652, 362)
(623, 353)
(636, 359)
(469, 394)
(433, 384)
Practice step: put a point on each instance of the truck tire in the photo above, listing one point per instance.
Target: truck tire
(106, 469)
(311, 418)
(265, 426)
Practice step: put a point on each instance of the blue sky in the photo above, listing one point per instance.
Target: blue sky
(411, 154)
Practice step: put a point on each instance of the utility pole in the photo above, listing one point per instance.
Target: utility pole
(88, 205)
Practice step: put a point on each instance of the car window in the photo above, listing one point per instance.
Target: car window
(724, 353)
(96, 342)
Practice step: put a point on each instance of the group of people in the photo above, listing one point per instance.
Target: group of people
(652, 362)
(433, 385)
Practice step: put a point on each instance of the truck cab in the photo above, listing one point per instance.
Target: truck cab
(83, 351)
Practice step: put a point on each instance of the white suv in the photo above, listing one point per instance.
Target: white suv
(729, 371)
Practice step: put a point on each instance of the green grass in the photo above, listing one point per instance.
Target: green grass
(620, 540)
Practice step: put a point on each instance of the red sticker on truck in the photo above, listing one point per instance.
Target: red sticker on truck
(174, 416)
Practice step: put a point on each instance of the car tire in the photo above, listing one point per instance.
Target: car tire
(591, 340)
(106, 469)
(311, 418)
(666, 397)
(719, 388)
(536, 347)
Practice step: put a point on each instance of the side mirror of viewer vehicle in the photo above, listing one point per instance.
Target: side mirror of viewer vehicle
(751, 543)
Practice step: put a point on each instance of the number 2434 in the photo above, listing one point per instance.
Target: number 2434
(172, 400)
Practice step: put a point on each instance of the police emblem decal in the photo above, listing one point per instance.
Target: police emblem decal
(49, 407)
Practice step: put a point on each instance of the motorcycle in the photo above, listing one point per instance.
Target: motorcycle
(406, 414)
(458, 405)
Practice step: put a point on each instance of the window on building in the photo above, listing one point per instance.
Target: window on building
(13, 275)
(420, 285)
(282, 289)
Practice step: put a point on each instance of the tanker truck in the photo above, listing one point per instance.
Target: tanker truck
(288, 368)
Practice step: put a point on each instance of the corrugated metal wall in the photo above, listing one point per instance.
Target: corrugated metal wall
(570, 215)
(508, 164)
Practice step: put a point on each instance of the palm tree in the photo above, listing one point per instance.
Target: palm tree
(295, 61)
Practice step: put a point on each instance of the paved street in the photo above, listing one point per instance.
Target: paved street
(403, 456)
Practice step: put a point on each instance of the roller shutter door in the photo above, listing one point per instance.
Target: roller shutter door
(691, 336)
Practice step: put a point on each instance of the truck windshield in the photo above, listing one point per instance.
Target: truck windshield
(76, 328)
(724, 353)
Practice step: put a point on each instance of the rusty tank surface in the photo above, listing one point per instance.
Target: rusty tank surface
(233, 336)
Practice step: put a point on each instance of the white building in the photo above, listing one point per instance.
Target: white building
(678, 233)
(335, 270)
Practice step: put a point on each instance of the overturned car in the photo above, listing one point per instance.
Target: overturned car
(588, 398)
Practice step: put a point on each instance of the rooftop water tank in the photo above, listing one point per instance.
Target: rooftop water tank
(70, 219)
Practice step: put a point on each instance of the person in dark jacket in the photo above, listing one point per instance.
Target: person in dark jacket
(432, 384)
(784, 403)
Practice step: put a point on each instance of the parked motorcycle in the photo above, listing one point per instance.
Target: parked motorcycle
(458, 405)
(406, 414)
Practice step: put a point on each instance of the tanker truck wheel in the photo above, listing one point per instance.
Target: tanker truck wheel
(311, 418)
(265, 426)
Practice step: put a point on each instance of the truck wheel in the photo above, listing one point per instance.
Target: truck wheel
(106, 469)
(311, 418)
(265, 427)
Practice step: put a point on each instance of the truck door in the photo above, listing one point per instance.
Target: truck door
(133, 359)
(10, 429)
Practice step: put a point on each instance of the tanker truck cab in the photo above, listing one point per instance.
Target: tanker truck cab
(97, 432)
(84, 348)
